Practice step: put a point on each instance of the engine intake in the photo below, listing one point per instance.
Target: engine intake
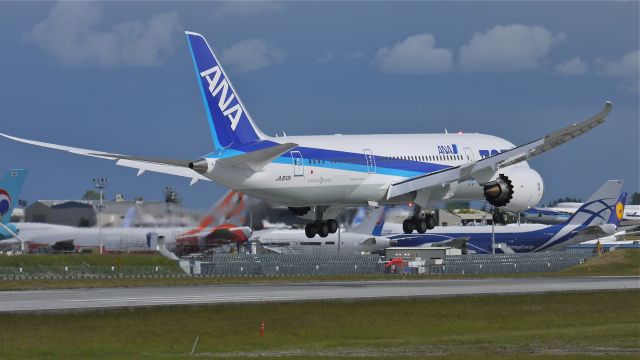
(499, 192)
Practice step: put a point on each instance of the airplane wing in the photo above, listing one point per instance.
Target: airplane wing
(457, 243)
(487, 166)
(165, 166)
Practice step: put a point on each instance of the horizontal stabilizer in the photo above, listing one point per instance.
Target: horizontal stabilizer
(165, 166)
(256, 160)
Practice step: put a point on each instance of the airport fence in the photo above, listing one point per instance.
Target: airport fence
(288, 264)
(509, 263)
(56, 272)
(312, 264)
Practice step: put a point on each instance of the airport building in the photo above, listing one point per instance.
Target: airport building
(461, 217)
(85, 213)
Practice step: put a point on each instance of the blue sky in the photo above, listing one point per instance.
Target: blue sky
(117, 77)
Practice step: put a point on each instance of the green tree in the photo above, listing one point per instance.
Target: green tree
(91, 195)
(635, 199)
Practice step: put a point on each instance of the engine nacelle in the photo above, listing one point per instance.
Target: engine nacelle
(201, 166)
(517, 188)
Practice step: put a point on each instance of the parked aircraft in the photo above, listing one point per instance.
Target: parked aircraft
(363, 238)
(10, 186)
(562, 211)
(208, 235)
(317, 176)
(598, 216)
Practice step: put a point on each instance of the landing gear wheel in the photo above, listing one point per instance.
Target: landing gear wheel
(431, 221)
(407, 226)
(421, 226)
(310, 230)
(323, 229)
(333, 226)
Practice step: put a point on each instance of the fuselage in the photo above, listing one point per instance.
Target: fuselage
(113, 239)
(294, 241)
(356, 169)
(519, 238)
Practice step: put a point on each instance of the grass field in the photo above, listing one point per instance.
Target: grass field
(43, 260)
(619, 262)
(558, 325)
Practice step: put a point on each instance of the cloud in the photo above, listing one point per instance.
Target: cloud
(71, 35)
(326, 57)
(415, 55)
(508, 48)
(627, 68)
(573, 66)
(245, 8)
(332, 56)
(251, 55)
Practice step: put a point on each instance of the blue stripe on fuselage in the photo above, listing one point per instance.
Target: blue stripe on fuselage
(518, 241)
(335, 159)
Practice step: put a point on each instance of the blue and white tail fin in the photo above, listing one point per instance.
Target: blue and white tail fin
(618, 214)
(600, 207)
(229, 120)
(372, 223)
(10, 186)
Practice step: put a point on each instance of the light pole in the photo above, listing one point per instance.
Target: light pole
(101, 184)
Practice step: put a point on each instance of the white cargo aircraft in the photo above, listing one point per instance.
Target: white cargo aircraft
(317, 176)
(363, 238)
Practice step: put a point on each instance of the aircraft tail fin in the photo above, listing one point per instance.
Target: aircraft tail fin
(600, 207)
(372, 223)
(10, 186)
(618, 213)
(230, 123)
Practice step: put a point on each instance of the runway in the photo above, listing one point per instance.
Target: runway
(82, 299)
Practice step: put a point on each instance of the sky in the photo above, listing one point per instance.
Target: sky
(118, 77)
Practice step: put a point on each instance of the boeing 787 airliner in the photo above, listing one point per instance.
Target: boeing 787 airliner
(317, 176)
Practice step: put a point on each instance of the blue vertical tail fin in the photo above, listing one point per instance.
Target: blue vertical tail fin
(229, 120)
(616, 216)
(372, 222)
(10, 186)
(377, 230)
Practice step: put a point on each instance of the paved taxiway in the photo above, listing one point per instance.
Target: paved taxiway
(77, 299)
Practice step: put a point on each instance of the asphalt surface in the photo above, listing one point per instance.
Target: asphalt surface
(82, 299)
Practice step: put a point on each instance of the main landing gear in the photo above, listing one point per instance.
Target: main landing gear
(322, 228)
(420, 222)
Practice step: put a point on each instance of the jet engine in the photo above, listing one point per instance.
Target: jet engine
(517, 188)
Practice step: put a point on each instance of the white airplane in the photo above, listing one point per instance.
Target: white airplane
(599, 216)
(363, 238)
(317, 176)
(182, 240)
(562, 211)
(214, 230)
